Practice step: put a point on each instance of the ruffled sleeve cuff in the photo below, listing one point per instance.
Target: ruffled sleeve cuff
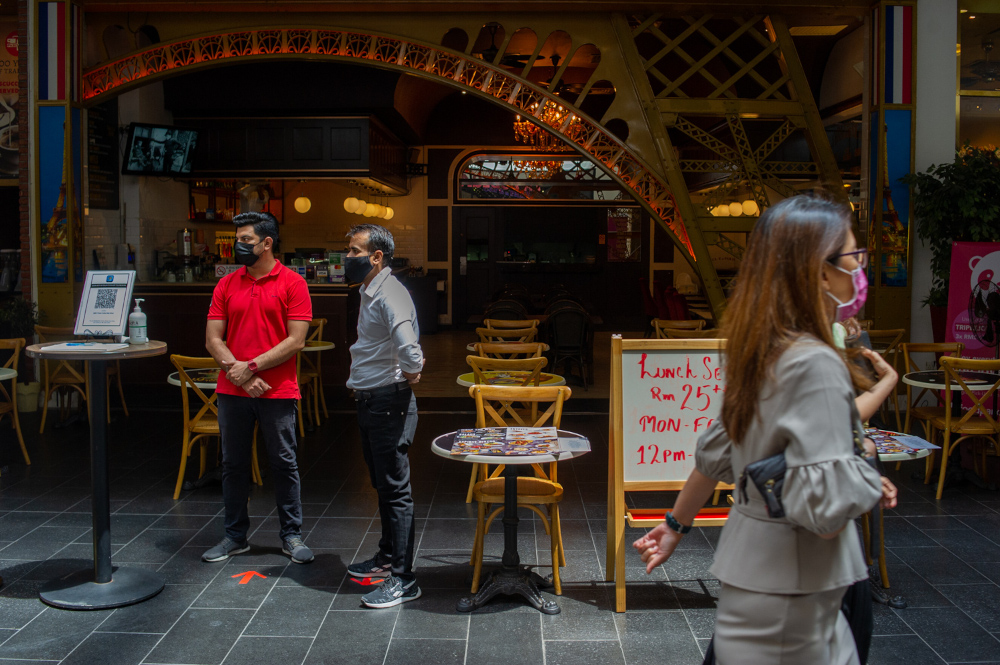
(712, 456)
(825, 496)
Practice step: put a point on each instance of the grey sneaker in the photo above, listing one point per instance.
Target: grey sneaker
(377, 566)
(226, 548)
(295, 548)
(390, 593)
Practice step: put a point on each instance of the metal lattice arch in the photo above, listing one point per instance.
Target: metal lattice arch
(468, 73)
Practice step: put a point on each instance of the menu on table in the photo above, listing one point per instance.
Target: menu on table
(506, 441)
(887, 442)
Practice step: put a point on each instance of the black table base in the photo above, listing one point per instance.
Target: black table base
(510, 580)
(79, 591)
(102, 587)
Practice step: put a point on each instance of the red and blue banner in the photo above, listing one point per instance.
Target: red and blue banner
(54, 83)
(894, 74)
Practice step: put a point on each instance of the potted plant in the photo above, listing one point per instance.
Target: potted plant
(18, 317)
(955, 202)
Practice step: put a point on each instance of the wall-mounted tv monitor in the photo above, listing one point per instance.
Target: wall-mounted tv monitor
(158, 150)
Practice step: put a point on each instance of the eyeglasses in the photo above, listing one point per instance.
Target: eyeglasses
(860, 255)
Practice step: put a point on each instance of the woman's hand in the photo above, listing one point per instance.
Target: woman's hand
(889, 494)
(656, 546)
(883, 370)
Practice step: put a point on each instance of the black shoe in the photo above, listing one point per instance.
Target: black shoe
(377, 566)
(295, 548)
(226, 548)
(394, 591)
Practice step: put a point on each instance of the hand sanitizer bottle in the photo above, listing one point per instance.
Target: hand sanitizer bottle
(137, 325)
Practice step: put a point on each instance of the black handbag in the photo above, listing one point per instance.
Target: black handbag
(768, 476)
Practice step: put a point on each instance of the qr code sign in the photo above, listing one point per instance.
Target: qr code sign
(106, 298)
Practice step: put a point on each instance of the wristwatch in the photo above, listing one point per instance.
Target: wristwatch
(675, 525)
(252, 366)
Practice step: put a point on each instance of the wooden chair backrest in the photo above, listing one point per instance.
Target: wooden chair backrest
(892, 339)
(516, 323)
(953, 349)
(531, 366)
(183, 364)
(315, 333)
(981, 402)
(661, 325)
(511, 350)
(488, 416)
(864, 324)
(309, 358)
(507, 334)
(65, 370)
(15, 345)
(672, 333)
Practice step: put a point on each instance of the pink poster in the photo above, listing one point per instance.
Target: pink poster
(975, 270)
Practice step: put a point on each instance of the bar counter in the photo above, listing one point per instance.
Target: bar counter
(177, 313)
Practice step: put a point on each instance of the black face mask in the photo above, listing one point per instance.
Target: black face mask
(356, 268)
(243, 253)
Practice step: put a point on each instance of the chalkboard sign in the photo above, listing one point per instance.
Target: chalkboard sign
(102, 155)
(664, 395)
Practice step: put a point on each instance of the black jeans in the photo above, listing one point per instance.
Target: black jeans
(388, 422)
(276, 418)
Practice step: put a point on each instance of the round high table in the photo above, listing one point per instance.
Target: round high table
(934, 379)
(510, 579)
(500, 378)
(103, 587)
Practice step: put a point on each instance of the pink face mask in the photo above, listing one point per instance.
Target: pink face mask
(846, 310)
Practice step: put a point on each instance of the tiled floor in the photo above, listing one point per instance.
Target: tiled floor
(944, 556)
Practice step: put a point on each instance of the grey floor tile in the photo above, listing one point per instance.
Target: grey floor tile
(889, 621)
(938, 566)
(662, 637)
(237, 587)
(432, 616)
(914, 588)
(576, 652)
(109, 649)
(900, 532)
(154, 546)
(440, 652)
(952, 634)
(353, 504)
(338, 533)
(980, 601)
(186, 567)
(201, 637)
(586, 615)
(156, 615)
(901, 650)
(19, 603)
(485, 649)
(17, 524)
(292, 611)
(327, 570)
(250, 650)
(359, 638)
(51, 635)
(967, 545)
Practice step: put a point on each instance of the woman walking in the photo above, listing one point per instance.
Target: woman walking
(789, 549)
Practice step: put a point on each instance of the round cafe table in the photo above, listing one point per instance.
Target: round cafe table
(934, 379)
(206, 379)
(500, 378)
(103, 587)
(510, 579)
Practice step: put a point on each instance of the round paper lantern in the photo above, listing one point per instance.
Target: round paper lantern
(389, 213)
(721, 211)
(750, 208)
(302, 204)
(360, 210)
(735, 209)
(370, 210)
(350, 204)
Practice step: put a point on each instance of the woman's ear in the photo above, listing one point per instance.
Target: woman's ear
(824, 277)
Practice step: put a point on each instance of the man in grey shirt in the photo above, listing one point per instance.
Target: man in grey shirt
(385, 360)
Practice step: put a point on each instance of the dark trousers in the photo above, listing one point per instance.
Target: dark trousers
(276, 419)
(388, 422)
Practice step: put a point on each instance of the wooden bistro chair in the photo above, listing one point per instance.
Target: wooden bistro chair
(204, 424)
(309, 371)
(64, 376)
(511, 350)
(533, 367)
(487, 335)
(8, 403)
(975, 423)
(886, 343)
(662, 325)
(503, 323)
(924, 414)
(542, 490)
(677, 333)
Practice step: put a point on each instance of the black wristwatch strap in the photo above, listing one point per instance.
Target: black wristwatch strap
(675, 525)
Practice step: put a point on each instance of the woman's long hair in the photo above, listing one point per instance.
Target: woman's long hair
(779, 297)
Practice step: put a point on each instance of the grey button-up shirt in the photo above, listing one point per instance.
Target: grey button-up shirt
(388, 336)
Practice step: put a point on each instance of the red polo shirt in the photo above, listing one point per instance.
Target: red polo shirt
(256, 312)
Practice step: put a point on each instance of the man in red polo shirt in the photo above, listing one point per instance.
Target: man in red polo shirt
(257, 322)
